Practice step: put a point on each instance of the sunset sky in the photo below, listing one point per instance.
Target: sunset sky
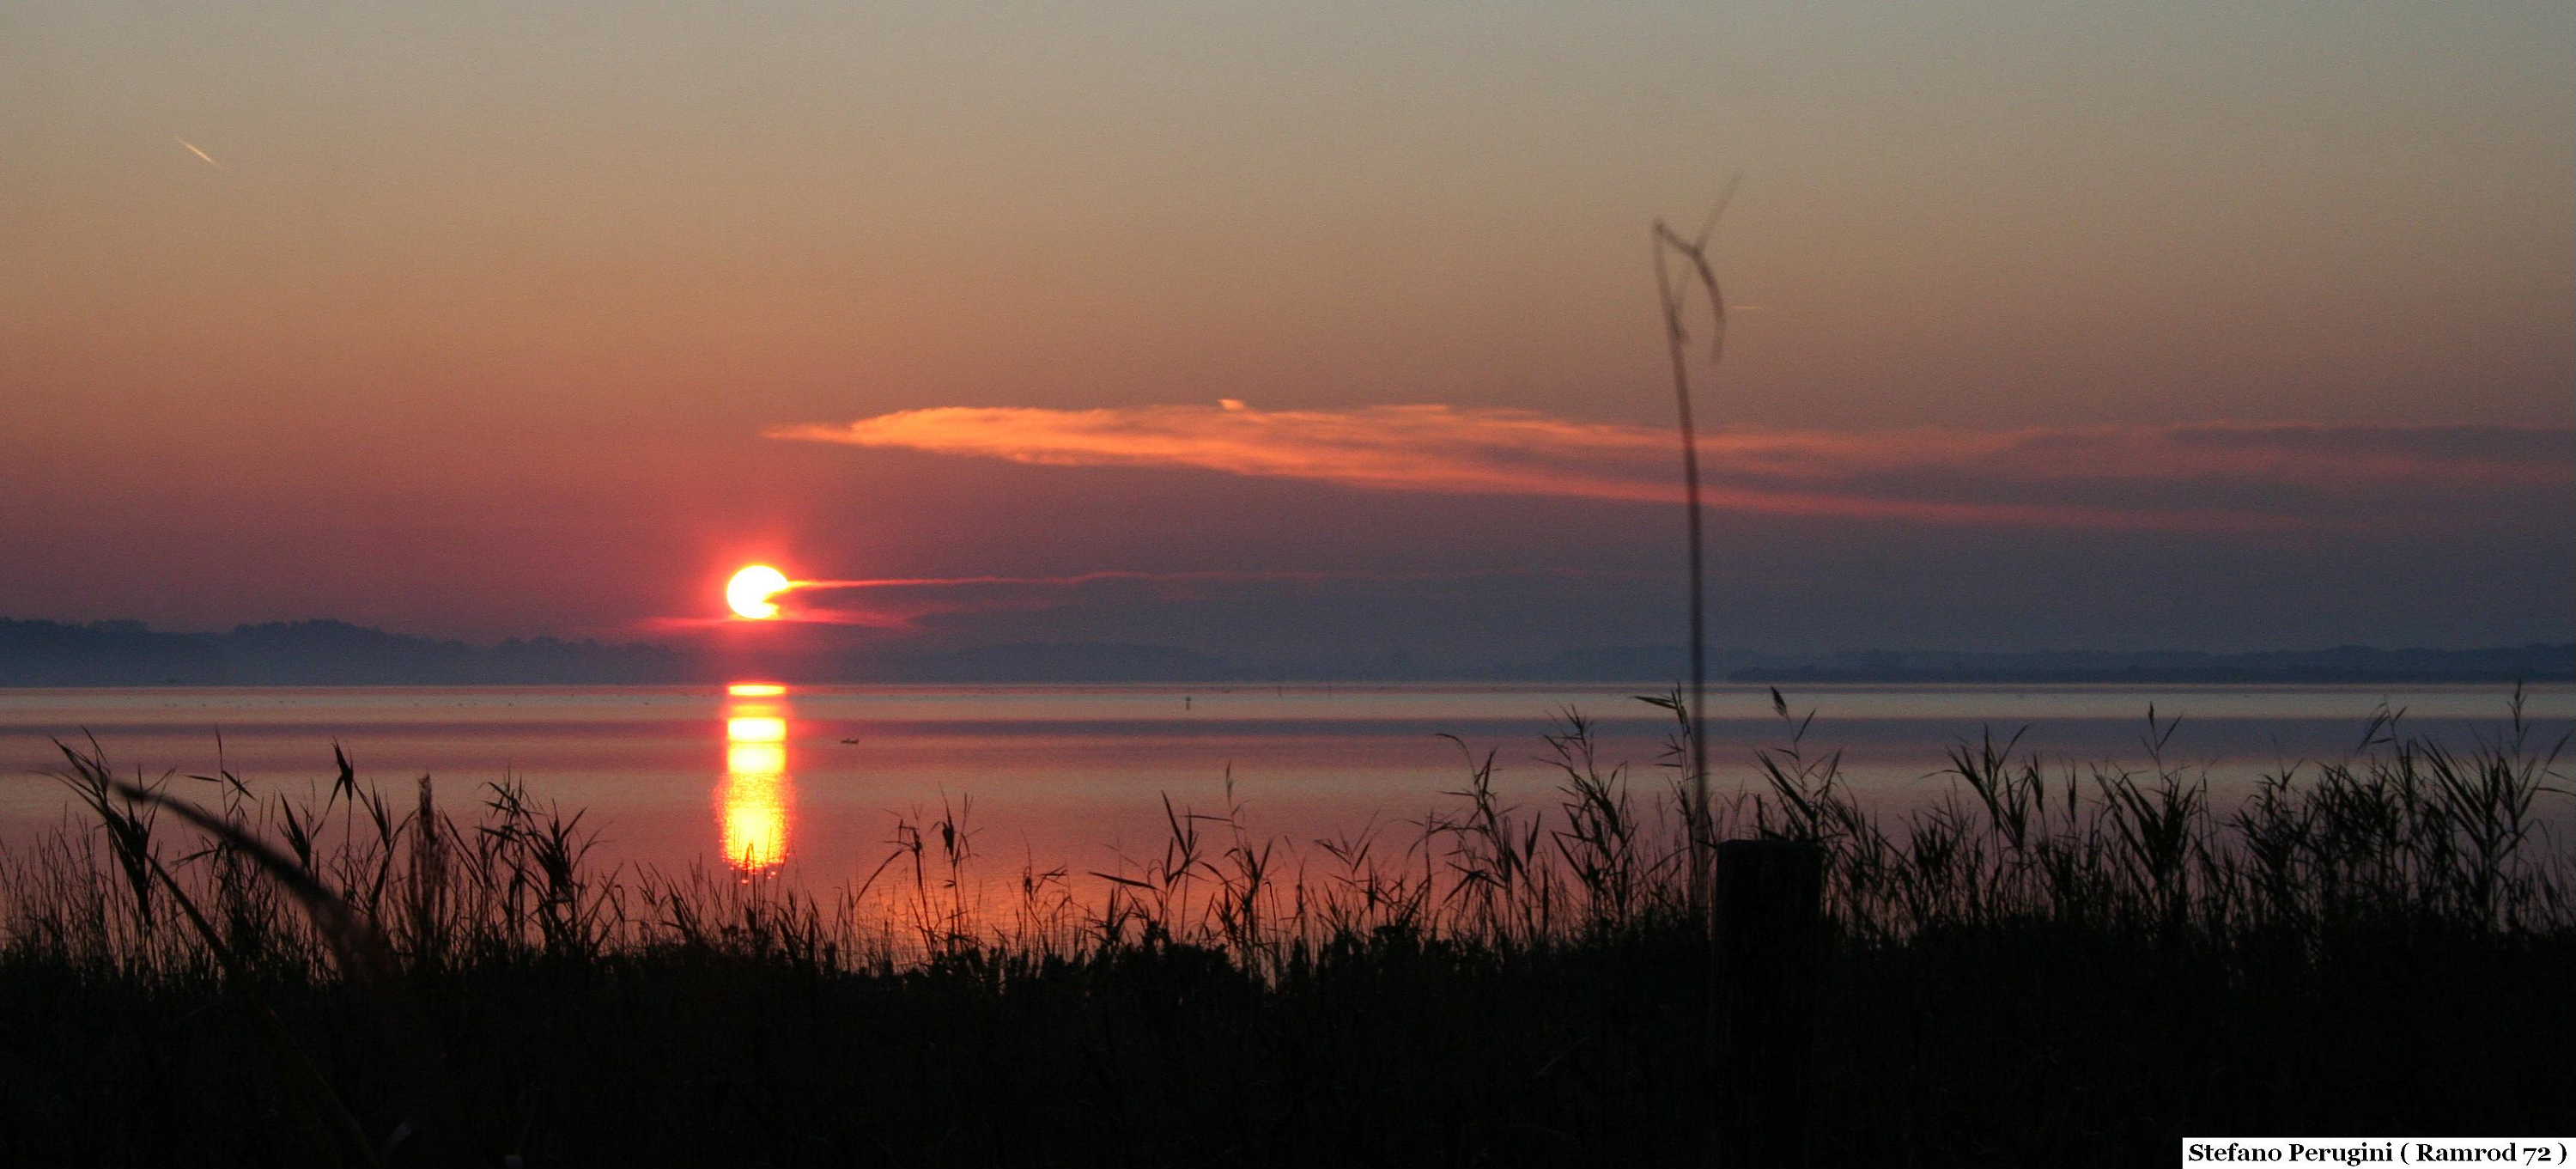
(1272, 329)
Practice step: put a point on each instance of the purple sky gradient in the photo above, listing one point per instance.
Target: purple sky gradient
(472, 321)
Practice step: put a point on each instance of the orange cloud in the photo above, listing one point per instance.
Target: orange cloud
(2214, 476)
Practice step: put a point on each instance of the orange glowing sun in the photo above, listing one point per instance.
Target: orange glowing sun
(750, 589)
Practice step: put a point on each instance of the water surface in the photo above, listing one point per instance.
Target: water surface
(811, 782)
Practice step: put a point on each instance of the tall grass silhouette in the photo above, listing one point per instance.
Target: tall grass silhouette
(1671, 292)
(1500, 982)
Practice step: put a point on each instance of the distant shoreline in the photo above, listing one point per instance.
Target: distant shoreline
(37, 654)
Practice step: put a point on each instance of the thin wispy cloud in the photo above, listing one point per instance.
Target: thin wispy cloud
(900, 603)
(2221, 476)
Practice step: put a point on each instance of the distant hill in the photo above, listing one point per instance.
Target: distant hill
(105, 653)
(309, 653)
(336, 653)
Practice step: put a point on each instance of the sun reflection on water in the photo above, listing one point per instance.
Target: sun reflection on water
(753, 804)
(763, 727)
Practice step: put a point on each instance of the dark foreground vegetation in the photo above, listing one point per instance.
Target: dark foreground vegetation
(2048, 968)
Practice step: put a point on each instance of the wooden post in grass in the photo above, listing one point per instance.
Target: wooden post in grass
(1770, 938)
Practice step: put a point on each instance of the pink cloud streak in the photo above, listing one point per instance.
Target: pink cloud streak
(898, 603)
(2220, 476)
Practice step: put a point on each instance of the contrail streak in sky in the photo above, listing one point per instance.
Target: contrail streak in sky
(193, 149)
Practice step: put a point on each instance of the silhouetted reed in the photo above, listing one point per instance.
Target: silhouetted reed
(1497, 983)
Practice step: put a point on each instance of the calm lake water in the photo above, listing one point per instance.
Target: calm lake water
(811, 781)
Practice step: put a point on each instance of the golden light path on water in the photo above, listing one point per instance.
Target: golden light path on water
(756, 800)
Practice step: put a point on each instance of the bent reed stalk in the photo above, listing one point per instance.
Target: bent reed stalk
(1670, 295)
